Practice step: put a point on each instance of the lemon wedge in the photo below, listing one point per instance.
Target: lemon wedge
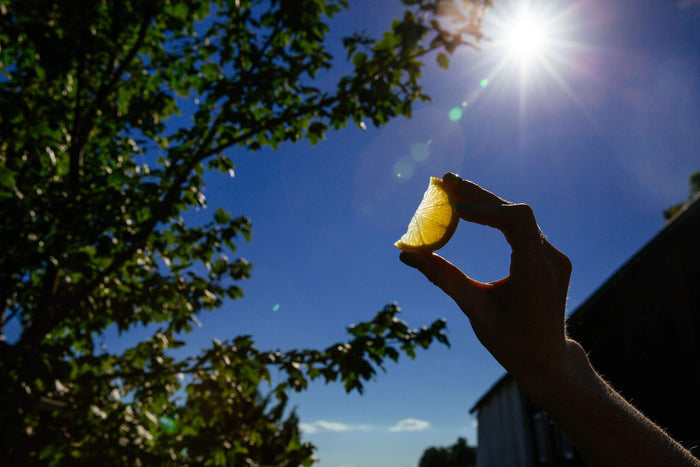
(434, 221)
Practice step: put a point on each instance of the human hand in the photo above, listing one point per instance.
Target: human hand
(520, 319)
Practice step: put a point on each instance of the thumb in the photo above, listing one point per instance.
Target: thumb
(448, 277)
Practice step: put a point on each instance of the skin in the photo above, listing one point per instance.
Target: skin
(521, 321)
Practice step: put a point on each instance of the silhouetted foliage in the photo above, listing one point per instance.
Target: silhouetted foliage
(694, 188)
(96, 171)
(458, 455)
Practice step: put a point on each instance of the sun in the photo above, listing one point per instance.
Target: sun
(526, 36)
(531, 49)
(531, 39)
(526, 33)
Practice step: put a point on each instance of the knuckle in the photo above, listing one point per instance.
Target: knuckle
(522, 215)
(523, 212)
(559, 260)
(565, 263)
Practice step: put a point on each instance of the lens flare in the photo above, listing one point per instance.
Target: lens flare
(456, 113)
(403, 169)
(167, 424)
(420, 151)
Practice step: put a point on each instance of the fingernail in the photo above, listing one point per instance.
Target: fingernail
(408, 261)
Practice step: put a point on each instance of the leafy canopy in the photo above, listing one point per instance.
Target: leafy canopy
(110, 114)
(459, 454)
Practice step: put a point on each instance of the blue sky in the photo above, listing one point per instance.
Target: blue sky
(599, 135)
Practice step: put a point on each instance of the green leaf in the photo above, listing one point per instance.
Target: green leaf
(179, 11)
(40, 73)
(359, 59)
(443, 60)
(222, 216)
(7, 181)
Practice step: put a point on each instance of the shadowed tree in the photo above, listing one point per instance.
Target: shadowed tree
(694, 189)
(434, 457)
(458, 455)
(96, 172)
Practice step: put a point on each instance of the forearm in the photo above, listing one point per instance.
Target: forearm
(607, 430)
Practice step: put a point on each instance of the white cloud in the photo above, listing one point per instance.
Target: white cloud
(323, 425)
(410, 424)
(332, 426)
(308, 428)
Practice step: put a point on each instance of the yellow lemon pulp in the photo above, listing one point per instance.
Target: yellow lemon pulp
(434, 221)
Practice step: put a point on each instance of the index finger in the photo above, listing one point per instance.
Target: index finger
(516, 221)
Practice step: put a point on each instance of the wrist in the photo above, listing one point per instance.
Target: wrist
(552, 377)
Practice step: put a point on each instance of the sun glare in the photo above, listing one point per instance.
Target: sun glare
(526, 36)
(531, 41)
(531, 48)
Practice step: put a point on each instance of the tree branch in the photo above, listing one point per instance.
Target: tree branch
(75, 151)
(82, 128)
(7, 317)
(174, 190)
(84, 124)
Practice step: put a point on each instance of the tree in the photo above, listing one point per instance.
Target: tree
(96, 171)
(694, 189)
(458, 455)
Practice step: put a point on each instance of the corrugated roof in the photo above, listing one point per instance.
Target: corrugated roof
(687, 212)
(492, 390)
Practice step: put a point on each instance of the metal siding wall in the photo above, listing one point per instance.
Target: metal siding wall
(505, 439)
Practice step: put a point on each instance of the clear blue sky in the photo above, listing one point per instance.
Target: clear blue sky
(599, 135)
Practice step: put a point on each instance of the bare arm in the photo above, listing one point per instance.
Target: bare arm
(520, 320)
(604, 426)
